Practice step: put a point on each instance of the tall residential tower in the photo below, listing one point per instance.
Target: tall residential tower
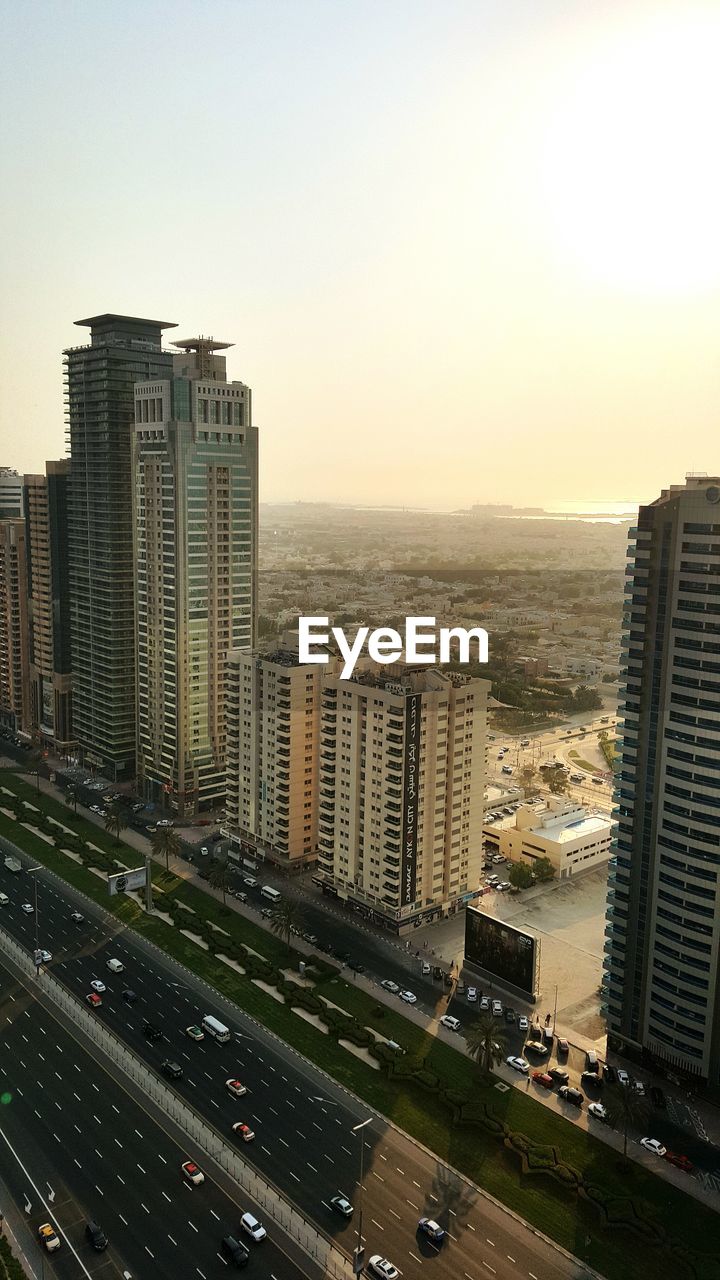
(49, 605)
(195, 495)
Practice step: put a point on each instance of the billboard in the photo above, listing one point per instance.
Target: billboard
(410, 799)
(502, 952)
(124, 881)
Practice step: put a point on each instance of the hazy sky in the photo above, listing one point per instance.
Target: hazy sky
(467, 251)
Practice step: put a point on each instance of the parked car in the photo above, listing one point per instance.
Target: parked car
(558, 1075)
(497, 1009)
(518, 1064)
(544, 1078)
(537, 1046)
(472, 994)
(409, 997)
(509, 1015)
(568, 1094)
(452, 1024)
(523, 1024)
(622, 1077)
(562, 1044)
(609, 1074)
(597, 1110)
(653, 1145)
(484, 1004)
(392, 987)
(680, 1162)
(591, 1078)
(639, 1088)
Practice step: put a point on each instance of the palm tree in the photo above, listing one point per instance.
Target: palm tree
(116, 819)
(287, 918)
(485, 1041)
(165, 844)
(71, 797)
(625, 1107)
(219, 875)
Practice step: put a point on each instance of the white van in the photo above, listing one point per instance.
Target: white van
(4, 900)
(216, 1029)
(115, 966)
(271, 894)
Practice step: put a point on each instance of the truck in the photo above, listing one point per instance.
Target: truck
(13, 864)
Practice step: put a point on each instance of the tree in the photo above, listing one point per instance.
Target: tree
(543, 870)
(527, 775)
(116, 819)
(520, 875)
(72, 796)
(625, 1107)
(485, 1041)
(287, 918)
(219, 876)
(556, 779)
(165, 844)
(586, 699)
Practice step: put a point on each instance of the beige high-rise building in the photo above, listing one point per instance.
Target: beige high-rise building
(14, 637)
(401, 791)
(49, 605)
(195, 508)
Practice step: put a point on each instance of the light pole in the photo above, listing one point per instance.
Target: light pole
(35, 880)
(359, 1258)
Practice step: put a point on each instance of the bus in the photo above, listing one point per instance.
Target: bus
(271, 894)
(215, 1029)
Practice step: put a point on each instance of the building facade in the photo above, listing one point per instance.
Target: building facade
(401, 791)
(49, 606)
(15, 707)
(195, 463)
(573, 839)
(273, 757)
(100, 380)
(663, 935)
(11, 494)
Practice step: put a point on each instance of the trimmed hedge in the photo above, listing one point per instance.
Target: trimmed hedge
(10, 1268)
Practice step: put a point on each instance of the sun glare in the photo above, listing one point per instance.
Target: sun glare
(629, 168)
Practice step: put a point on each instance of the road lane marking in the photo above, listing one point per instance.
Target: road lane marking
(311, 1166)
(396, 1215)
(488, 1241)
(507, 1255)
(487, 1264)
(412, 1206)
(192, 1224)
(167, 1197)
(144, 1206)
(377, 1175)
(123, 1220)
(377, 1224)
(171, 1240)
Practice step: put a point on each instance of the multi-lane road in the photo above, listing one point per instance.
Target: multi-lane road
(303, 1122)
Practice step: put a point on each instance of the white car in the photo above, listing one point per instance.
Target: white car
(426, 966)
(115, 966)
(379, 1266)
(452, 1024)
(518, 1064)
(192, 1173)
(652, 1144)
(45, 956)
(536, 1046)
(235, 1087)
(250, 1225)
(408, 997)
(392, 987)
(77, 917)
(497, 1009)
(28, 908)
(523, 1023)
(622, 1076)
(597, 1110)
(97, 985)
(472, 994)
(639, 1088)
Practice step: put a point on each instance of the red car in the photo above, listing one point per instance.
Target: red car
(542, 1077)
(94, 1000)
(680, 1162)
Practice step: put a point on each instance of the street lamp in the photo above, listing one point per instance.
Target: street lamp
(35, 882)
(359, 1257)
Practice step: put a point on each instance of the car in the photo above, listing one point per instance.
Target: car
(392, 987)
(497, 1009)
(234, 1251)
(591, 1078)
(28, 908)
(471, 994)
(408, 997)
(243, 1131)
(241, 897)
(523, 1024)
(204, 851)
(95, 1234)
(195, 1033)
(609, 1074)
(622, 1076)
(235, 1087)
(250, 881)
(94, 1000)
(49, 1237)
(484, 1005)
(498, 858)
(518, 1064)
(379, 1266)
(509, 1015)
(559, 1075)
(45, 956)
(151, 1031)
(77, 917)
(657, 1097)
(492, 880)
(115, 966)
(97, 985)
(597, 1110)
(130, 996)
(653, 1145)
(504, 886)
(192, 1173)
(537, 1046)
(639, 1088)
(432, 1230)
(171, 1069)
(568, 1094)
(452, 1024)
(426, 967)
(165, 822)
(461, 987)
(562, 1044)
(355, 965)
(250, 1225)
(680, 1162)
(543, 1078)
(342, 1205)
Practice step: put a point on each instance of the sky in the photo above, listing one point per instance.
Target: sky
(467, 252)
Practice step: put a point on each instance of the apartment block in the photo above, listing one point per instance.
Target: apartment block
(15, 710)
(401, 791)
(11, 494)
(195, 528)
(661, 992)
(49, 606)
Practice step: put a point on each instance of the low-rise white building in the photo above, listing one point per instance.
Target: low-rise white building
(573, 838)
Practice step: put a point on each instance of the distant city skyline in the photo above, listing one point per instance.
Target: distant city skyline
(469, 251)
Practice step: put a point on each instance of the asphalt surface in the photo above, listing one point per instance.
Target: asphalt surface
(303, 1122)
(72, 1136)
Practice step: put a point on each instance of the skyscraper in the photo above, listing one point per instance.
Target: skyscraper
(14, 647)
(11, 494)
(195, 494)
(100, 414)
(49, 605)
(661, 969)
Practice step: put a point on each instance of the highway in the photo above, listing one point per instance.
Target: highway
(303, 1122)
(73, 1137)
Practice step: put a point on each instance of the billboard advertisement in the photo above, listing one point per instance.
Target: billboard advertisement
(504, 953)
(410, 799)
(124, 881)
